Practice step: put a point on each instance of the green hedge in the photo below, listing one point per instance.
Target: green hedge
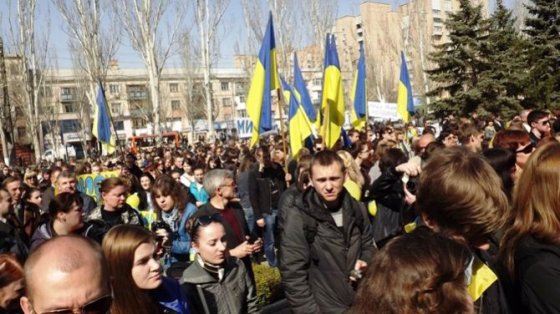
(269, 288)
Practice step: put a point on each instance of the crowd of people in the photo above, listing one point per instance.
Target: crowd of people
(458, 216)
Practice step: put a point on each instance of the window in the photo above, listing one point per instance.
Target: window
(225, 86)
(119, 125)
(175, 105)
(70, 107)
(226, 102)
(66, 93)
(136, 92)
(241, 98)
(317, 82)
(116, 109)
(173, 87)
(114, 88)
(242, 113)
(448, 6)
(139, 123)
(22, 131)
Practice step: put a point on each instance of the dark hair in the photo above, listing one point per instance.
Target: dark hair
(63, 203)
(201, 220)
(392, 158)
(503, 161)
(536, 115)
(147, 175)
(419, 272)
(326, 158)
(432, 149)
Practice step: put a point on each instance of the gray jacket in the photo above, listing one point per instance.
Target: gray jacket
(235, 293)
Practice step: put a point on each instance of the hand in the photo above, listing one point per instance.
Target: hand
(288, 177)
(409, 198)
(242, 250)
(359, 268)
(409, 168)
(261, 223)
(257, 245)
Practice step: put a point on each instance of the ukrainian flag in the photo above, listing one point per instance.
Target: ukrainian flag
(299, 124)
(332, 104)
(359, 118)
(300, 88)
(265, 79)
(102, 124)
(405, 103)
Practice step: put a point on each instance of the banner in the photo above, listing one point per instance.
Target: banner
(89, 183)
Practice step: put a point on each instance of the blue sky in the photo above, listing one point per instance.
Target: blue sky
(127, 57)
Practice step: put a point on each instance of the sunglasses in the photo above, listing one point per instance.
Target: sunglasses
(527, 150)
(101, 305)
(205, 221)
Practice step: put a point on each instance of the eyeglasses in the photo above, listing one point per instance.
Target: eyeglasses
(527, 150)
(205, 221)
(232, 184)
(101, 305)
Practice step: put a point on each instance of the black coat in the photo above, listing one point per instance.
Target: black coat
(316, 268)
(265, 188)
(537, 274)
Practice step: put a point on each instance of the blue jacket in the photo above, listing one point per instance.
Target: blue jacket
(199, 195)
(170, 297)
(181, 240)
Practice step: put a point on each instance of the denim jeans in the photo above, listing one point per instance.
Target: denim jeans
(250, 218)
(269, 249)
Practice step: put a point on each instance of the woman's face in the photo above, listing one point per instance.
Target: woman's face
(389, 134)
(74, 219)
(187, 168)
(211, 243)
(522, 153)
(36, 198)
(451, 140)
(146, 271)
(115, 198)
(166, 203)
(145, 183)
(10, 294)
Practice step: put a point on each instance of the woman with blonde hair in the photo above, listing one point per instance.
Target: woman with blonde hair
(354, 181)
(530, 248)
(138, 285)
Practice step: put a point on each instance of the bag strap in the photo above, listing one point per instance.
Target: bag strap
(203, 299)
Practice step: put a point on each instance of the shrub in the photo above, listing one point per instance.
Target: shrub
(269, 288)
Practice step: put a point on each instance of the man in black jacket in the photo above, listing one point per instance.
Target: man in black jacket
(325, 241)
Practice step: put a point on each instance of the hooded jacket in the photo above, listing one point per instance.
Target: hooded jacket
(170, 297)
(316, 264)
(234, 293)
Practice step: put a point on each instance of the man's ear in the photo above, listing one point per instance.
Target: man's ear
(25, 305)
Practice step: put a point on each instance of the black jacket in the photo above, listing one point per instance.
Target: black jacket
(537, 274)
(316, 260)
(265, 188)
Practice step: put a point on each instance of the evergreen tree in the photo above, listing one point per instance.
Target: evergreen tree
(502, 83)
(459, 62)
(543, 54)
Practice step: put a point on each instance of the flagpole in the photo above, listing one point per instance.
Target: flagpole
(111, 118)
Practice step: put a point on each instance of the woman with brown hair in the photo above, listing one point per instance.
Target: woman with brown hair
(530, 248)
(138, 285)
(115, 210)
(11, 284)
(418, 272)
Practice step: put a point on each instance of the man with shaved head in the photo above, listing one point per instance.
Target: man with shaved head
(67, 274)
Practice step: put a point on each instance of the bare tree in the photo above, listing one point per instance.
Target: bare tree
(520, 12)
(92, 45)
(32, 52)
(193, 93)
(142, 20)
(208, 16)
(321, 15)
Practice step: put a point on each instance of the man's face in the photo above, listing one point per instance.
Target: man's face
(227, 189)
(328, 181)
(66, 185)
(54, 289)
(15, 190)
(476, 142)
(176, 176)
(179, 163)
(355, 137)
(542, 125)
(199, 175)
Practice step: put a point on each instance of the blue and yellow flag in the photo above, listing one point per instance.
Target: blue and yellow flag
(332, 104)
(299, 124)
(102, 124)
(405, 102)
(301, 89)
(265, 80)
(359, 118)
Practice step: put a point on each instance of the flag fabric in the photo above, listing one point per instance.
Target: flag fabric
(265, 79)
(299, 125)
(405, 102)
(102, 124)
(359, 115)
(301, 90)
(332, 104)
